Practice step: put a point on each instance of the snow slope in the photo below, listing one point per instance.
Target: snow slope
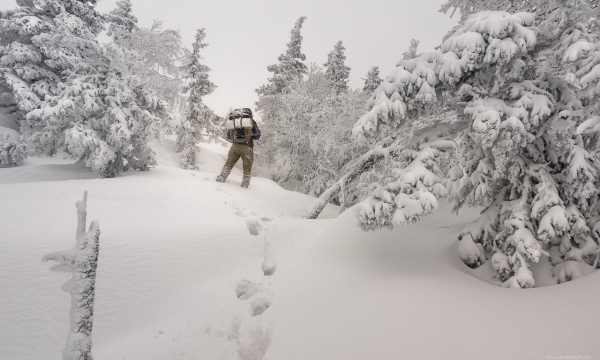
(182, 275)
(174, 244)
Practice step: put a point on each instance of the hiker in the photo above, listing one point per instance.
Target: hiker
(241, 131)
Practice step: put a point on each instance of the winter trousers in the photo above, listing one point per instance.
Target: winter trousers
(236, 152)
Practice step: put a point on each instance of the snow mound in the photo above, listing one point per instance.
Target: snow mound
(403, 294)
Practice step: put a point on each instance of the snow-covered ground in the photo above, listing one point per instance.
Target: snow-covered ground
(182, 267)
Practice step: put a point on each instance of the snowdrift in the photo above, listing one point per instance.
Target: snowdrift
(404, 295)
(193, 269)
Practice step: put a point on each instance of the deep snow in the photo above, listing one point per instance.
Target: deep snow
(184, 274)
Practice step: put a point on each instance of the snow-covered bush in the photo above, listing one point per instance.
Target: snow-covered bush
(82, 261)
(523, 107)
(12, 153)
(199, 119)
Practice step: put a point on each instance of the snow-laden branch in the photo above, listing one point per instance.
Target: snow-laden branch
(362, 164)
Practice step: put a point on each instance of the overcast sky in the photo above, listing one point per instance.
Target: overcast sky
(246, 36)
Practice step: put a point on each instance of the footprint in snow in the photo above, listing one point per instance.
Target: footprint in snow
(269, 264)
(246, 289)
(239, 213)
(259, 305)
(254, 225)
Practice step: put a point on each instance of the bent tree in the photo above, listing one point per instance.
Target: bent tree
(502, 115)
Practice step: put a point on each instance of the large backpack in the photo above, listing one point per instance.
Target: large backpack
(240, 125)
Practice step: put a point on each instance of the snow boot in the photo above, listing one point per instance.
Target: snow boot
(224, 174)
(245, 181)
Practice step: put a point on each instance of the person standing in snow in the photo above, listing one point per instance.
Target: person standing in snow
(243, 144)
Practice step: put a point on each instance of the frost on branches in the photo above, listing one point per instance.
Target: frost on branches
(12, 153)
(161, 54)
(74, 93)
(309, 133)
(82, 262)
(31, 64)
(524, 135)
(199, 120)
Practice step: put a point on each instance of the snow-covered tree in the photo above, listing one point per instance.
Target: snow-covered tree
(165, 59)
(12, 153)
(199, 119)
(160, 60)
(290, 68)
(33, 63)
(336, 70)
(97, 108)
(310, 130)
(76, 94)
(122, 22)
(160, 52)
(469, 7)
(290, 64)
(82, 262)
(516, 104)
(372, 80)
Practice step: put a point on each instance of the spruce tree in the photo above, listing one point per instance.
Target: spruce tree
(336, 70)
(199, 119)
(42, 43)
(121, 20)
(517, 104)
(290, 65)
(372, 80)
(77, 94)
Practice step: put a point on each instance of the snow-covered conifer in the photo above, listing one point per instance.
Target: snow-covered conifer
(336, 70)
(33, 64)
(82, 262)
(372, 80)
(290, 64)
(199, 119)
(12, 153)
(524, 131)
(102, 112)
(469, 7)
(122, 18)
